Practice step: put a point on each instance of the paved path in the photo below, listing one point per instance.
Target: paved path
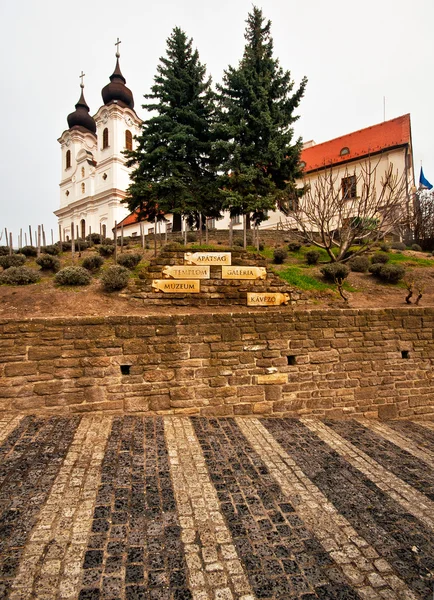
(176, 508)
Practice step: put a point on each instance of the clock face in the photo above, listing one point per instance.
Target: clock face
(104, 117)
(129, 121)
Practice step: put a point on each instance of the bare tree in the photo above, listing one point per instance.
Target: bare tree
(423, 219)
(340, 210)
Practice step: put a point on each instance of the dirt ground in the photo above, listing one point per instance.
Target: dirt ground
(45, 299)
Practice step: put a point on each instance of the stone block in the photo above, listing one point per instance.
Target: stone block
(161, 402)
(136, 405)
(20, 369)
(387, 411)
(47, 387)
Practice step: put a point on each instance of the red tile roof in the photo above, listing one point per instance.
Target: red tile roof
(130, 219)
(371, 140)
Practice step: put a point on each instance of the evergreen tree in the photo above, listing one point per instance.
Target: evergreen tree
(259, 160)
(172, 166)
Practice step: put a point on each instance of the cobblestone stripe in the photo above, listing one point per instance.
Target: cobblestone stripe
(8, 422)
(51, 562)
(358, 561)
(410, 469)
(403, 438)
(29, 469)
(282, 558)
(214, 568)
(412, 500)
(135, 550)
(395, 534)
(424, 424)
(421, 433)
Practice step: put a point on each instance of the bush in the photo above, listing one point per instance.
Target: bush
(359, 264)
(279, 256)
(19, 276)
(191, 237)
(95, 238)
(398, 246)
(92, 263)
(15, 260)
(4, 250)
(129, 260)
(312, 257)
(261, 246)
(28, 251)
(48, 263)
(106, 250)
(335, 271)
(115, 278)
(294, 246)
(379, 257)
(65, 246)
(238, 242)
(384, 247)
(52, 249)
(73, 276)
(387, 273)
(83, 244)
(416, 248)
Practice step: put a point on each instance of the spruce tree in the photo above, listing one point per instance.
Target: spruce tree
(171, 165)
(259, 160)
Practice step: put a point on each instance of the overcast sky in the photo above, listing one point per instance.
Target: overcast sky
(353, 54)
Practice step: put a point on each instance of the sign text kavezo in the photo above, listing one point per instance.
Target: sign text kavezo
(267, 298)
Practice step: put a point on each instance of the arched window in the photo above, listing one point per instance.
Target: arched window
(105, 138)
(68, 159)
(83, 188)
(82, 172)
(128, 140)
(83, 229)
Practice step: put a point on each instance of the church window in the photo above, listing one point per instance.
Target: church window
(349, 187)
(128, 140)
(104, 176)
(68, 159)
(83, 229)
(105, 140)
(82, 172)
(344, 151)
(83, 188)
(67, 193)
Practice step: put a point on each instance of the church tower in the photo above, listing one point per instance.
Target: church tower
(93, 175)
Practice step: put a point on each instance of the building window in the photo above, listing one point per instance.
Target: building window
(83, 188)
(211, 223)
(83, 229)
(344, 151)
(105, 138)
(83, 172)
(68, 159)
(67, 193)
(150, 231)
(349, 187)
(128, 140)
(236, 220)
(169, 227)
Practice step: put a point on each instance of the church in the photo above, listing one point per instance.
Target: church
(93, 176)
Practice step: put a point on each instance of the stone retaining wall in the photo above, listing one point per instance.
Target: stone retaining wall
(271, 361)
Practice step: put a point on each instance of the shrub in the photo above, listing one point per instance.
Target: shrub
(384, 247)
(129, 260)
(379, 257)
(191, 237)
(398, 246)
(106, 250)
(261, 246)
(4, 250)
(65, 246)
(294, 246)
(388, 273)
(15, 260)
(48, 263)
(416, 248)
(73, 276)
(359, 264)
(82, 243)
(28, 251)
(335, 271)
(95, 238)
(238, 242)
(92, 263)
(19, 276)
(279, 256)
(179, 240)
(115, 278)
(52, 249)
(312, 257)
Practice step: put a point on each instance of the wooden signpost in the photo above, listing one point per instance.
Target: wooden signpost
(207, 258)
(267, 298)
(244, 272)
(186, 272)
(184, 286)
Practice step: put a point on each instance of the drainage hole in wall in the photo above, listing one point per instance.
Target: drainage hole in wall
(125, 369)
(405, 353)
(291, 360)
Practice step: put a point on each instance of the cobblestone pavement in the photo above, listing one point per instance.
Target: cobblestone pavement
(175, 508)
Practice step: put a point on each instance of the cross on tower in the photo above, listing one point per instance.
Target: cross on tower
(81, 77)
(117, 48)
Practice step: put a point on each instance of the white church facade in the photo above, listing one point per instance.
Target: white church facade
(93, 172)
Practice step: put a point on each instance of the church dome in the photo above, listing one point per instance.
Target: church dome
(116, 91)
(80, 118)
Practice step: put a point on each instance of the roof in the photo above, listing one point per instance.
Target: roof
(130, 219)
(371, 140)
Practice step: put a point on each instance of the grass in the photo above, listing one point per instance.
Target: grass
(410, 261)
(295, 276)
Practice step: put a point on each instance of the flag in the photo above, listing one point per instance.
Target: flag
(423, 182)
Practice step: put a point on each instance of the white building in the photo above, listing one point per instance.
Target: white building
(93, 173)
